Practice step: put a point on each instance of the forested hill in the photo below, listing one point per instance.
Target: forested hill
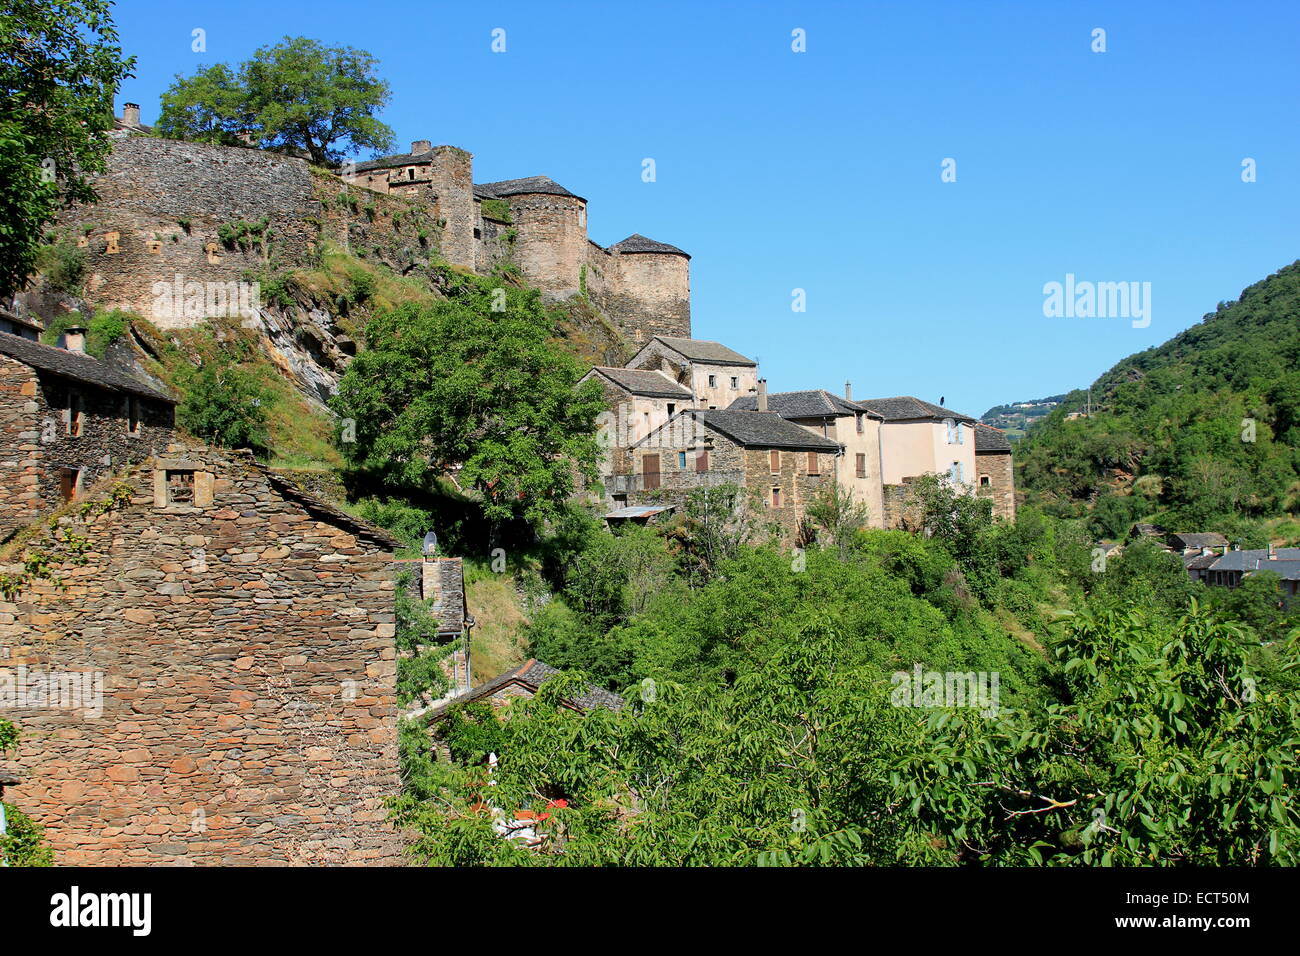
(1202, 432)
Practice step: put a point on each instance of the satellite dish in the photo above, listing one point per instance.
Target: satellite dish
(431, 543)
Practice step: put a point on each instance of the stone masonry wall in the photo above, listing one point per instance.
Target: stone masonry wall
(552, 241)
(997, 467)
(36, 442)
(246, 650)
(650, 294)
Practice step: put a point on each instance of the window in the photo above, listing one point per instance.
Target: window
(735, 381)
(702, 461)
(862, 465)
(776, 497)
(410, 174)
(952, 430)
(672, 409)
(69, 483)
(713, 381)
(984, 479)
(859, 417)
(132, 415)
(961, 438)
(957, 472)
(180, 487)
(813, 467)
(72, 415)
(774, 458)
(681, 460)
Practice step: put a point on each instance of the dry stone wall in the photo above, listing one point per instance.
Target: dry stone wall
(244, 641)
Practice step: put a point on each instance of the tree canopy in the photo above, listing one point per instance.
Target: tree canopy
(296, 95)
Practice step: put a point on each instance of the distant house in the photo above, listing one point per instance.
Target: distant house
(842, 420)
(994, 474)
(781, 463)
(67, 418)
(21, 326)
(1187, 542)
(715, 374)
(1229, 570)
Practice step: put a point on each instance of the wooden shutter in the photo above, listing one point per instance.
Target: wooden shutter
(702, 461)
(862, 465)
(775, 458)
(812, 464)
(650, 471)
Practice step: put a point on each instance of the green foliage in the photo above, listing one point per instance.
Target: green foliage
(296, 95)
(23, 843)
(1195, 434)
(60, 65)
(484, 396)
(498, 209)
(244, 234)
(224, 404)
(62, 264)
(104, 328)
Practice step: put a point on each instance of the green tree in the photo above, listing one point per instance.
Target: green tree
(296, 95)
(486, 398)
(60, 66)
(224, 404)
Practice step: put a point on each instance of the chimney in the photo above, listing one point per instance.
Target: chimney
(848, 391)
(421, 146)
(74, 338)
(131, 114)
(1272, 552)
(762, 394)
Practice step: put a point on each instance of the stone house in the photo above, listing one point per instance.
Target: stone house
(919, 438)
(853, 426)
(20, 325)
(67, 418)
(638, 402)
(1230, 568)
(994, 471)
(238, 633)
(781, 464)
(715, 374)
(1188, 542)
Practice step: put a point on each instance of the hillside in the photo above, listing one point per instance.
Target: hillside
(1017, 418)
(1202, 432)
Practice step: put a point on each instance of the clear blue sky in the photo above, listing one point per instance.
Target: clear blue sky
(821, 170)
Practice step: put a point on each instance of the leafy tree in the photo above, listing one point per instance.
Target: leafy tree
(834, 512)
(297, 95)
(59, 68)
(224, 404)
(485, 398)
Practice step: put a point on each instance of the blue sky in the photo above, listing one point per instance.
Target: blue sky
(821, 170)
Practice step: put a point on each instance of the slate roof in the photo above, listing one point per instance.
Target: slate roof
(648, 382)
(762, 430)
(904, 408)
(534, 674)
(813, 403)
(529, 185)
(638, 243)
(76, 366)
(321, 508)
(1200, 539)
(705, 352)
(396, 159)
(989, 439)
(1287, 563)
(1200, 562)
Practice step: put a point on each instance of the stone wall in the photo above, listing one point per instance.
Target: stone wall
(551, 247)
(36, 441)
(452, 176)
(245, 644)
(998, 469)
(161, 206)
(649, 294)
